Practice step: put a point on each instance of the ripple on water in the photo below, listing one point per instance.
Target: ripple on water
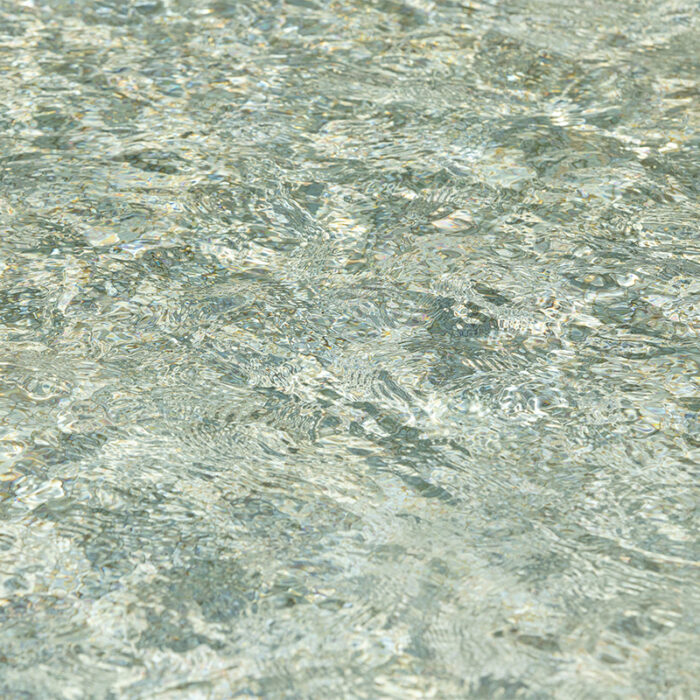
(348, 349)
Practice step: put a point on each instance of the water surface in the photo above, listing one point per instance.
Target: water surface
(349, 349)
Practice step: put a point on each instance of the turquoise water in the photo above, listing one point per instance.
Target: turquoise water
(349, 349)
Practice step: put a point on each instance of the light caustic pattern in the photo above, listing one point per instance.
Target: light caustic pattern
(349, 349)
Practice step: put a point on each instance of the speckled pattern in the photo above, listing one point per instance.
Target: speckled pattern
(349, 349)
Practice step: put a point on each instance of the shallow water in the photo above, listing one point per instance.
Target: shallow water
(349, 349)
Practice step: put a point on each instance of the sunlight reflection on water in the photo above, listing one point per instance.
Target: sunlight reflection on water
(349, 349)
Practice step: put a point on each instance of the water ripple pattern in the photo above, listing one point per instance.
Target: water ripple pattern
(349, 349)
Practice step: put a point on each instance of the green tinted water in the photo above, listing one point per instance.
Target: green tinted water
(349, 349)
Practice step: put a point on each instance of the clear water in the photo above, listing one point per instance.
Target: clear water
(349, 349)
